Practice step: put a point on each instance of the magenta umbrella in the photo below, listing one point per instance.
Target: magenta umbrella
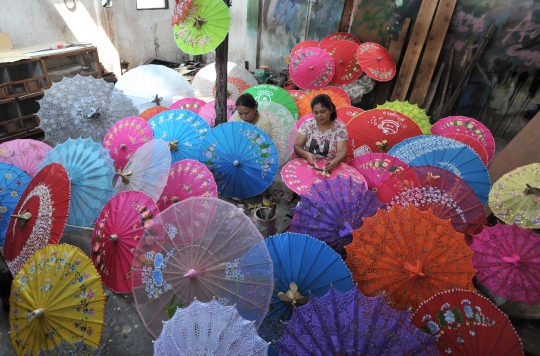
(25, 154)
(125, 137)
(507, 258)
(312, 68)
(377, 167)
(192, 104)
(187, 178)
(208, 111)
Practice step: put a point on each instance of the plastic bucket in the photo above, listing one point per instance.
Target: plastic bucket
(267, 227)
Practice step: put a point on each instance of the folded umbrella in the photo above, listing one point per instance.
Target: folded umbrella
(24, 154)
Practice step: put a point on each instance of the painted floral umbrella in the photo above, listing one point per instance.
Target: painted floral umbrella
(338, 37)
(345, 60)
(118, 229)
(228, 333)
(124, 138)
(13, 182)
(410, 255)
(297, 95)
(413, 111)
(192, 104)
(304, 44)
(187, 178)
(267, 93)
(238, 80)
(180, 11)
(466, 323)
(205, 25)
(515, 197)
(507, 258)
(201, 248)
(473, 143)
(282, 124)
(347, 113)
(376, 61)
(57, 295)
(311, 68)
(208, 112)
(24, 154)
(377, 167)
(352, 324)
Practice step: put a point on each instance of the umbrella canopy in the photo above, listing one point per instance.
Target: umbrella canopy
(208, 112)
(124, 138)
(183, 131)
(56, 295)
(228, 333)
(416, 113)
(378, 130)
(266, 94)
(180, 11)
(13, 182)
(448, 154)
(468, 126)
(507, 258)
(438, 190)
(473, 143)
(24, 154)
(466, 323)
(410, 255)
(297, 95)
(352, 324)
(204, 27)
(187, 178)
(81, 107)
(515, 197)
(91, 172)
(304, 44)
(39, 217)
(192, 104)
(332, 209)
(149, 113)
(345, 60)
(299, 175)
(338, 96)
(377, 167)
(65, 348)
(147, 170)
(238, 80)
(282, 124)
(118, 229)
(153, 85)
(311, 266)
(347, 113)
(242, 158)
(338, 37)
(201, 248)
(376, 61)
(311, 68)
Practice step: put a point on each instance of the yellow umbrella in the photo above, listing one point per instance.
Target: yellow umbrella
(515, 197)
(56, 295)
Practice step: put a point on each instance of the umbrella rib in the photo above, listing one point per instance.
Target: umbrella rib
(236, 295)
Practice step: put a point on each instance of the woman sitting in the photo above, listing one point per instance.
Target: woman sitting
(246, 110)
(322, 136)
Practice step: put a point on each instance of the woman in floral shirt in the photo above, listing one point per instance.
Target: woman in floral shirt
(323, 136)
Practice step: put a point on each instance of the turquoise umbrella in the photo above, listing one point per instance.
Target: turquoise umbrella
(13, 181)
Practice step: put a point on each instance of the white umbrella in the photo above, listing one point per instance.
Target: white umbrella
(238, 80)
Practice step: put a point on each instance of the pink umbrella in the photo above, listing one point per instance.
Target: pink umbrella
(208, 111)
(377, 167)
(304, 44)
(468, 126)
(473, 143)
(312, 68)
(192, 104)
(347, 113)
(25, 154)
(125, 137)
(299, 175)
(507, 258)
(303, 119)
(187, 178)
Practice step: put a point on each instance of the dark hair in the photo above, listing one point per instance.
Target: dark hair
(325, 101)
(247, 100)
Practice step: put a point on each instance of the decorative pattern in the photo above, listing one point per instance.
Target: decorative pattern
(377, 167)
(376, 61)
(180, 11)
(25, 154)
(192, 104)
(312, 68)
(152, 277)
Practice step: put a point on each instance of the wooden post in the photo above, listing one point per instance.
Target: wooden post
(222, 57)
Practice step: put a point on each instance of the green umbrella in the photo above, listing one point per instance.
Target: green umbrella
(265, 92)
(416, 113)
(205, 26)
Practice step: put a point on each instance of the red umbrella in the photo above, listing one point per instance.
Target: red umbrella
(438, 190)
(376, 61)
(337, 37)
(473, 143)
(304, 44)
(311, 68)
(118, 229)
(180, 11)
(39, 217)
(378, 130)
(466, 323)
(347, 66)
(377, 167)
(347, 113)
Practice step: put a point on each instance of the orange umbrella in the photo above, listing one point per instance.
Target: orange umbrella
(410, 255)
(339, 97)
(147, 114)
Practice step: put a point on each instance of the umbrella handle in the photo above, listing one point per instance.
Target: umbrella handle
(383, 146)
(173, 145)
(125, 177)
(38, 313)
(23, 218)
(532, 190)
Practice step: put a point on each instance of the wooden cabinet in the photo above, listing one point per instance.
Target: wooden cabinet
(22, 84)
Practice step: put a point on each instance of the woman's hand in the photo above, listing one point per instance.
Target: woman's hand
(328, 166)
(311, 159)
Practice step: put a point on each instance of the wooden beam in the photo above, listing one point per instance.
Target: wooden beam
(445, 86)
(432, 89)
(431, 53)
(414, 48)
(344, 25)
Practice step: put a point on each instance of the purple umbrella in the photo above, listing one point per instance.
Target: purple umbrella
(352, 324)
(332, 209)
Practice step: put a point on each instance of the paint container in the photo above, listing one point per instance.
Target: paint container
(266, 226)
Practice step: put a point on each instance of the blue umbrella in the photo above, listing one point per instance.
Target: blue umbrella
(13, 181)
(242, 158)
(91, 171)
(448, 154)
(183, 131)
(312, 265)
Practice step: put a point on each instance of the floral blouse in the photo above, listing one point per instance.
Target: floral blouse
(323, 144)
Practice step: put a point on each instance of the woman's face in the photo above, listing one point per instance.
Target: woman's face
(247, 114)
(321, 114)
